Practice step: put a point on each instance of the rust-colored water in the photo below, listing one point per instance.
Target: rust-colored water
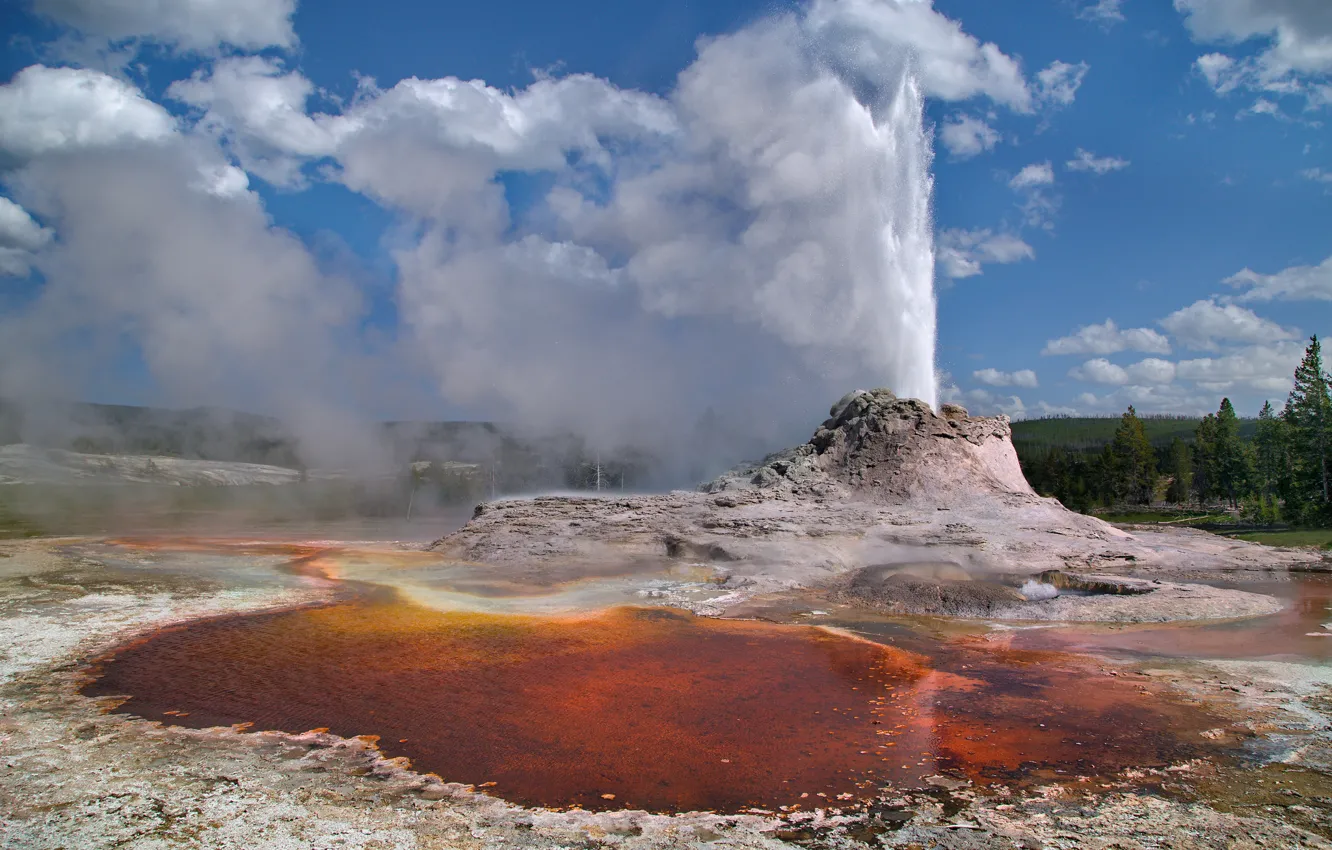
(649, 708)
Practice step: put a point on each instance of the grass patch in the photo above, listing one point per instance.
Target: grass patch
(1320, 537)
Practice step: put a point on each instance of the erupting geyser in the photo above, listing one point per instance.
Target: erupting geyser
(906, 244)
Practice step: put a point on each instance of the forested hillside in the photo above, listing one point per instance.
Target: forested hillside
(1277, 467)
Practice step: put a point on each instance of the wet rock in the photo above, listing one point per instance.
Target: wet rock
(1118, 587)
(679, 547)
(899, 592)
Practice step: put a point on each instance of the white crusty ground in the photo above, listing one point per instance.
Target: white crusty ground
(72, 777)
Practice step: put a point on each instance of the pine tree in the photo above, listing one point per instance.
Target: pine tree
(1181, 472)
(1230, 459)
(1204, 459)
(1133, 460)
(1308, 414)
(1271, 465)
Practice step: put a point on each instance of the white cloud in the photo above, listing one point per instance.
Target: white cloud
(1297, 37)
(1317, 175)
(1263, 106)
(20, 236)
(1106, 12)
(1038, 205)
(1036, 174)
(1108, 338)
(1084, 160)
(1152, 371)
(996, 378)
(51, 109)
(965, 136)
(1100, 371)
(257, 108)
(1058, 84)
(1206, 325)
(223, 308)
(963, 253)
(869, 36)
(1297, 283)
(199, 25)
(980, 402)
(1264, 369)
(776, 201)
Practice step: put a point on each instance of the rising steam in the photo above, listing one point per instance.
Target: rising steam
(571, 255)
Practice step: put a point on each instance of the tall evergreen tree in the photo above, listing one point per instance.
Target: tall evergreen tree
(1308, 414)
(1134, 462)
(1181, 472)
(1231, 459)
(1271, 464)
(1204, 459)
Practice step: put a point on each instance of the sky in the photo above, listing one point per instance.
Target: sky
(617, 217)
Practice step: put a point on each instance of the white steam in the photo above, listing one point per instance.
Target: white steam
(571, 255)
(1035, 590)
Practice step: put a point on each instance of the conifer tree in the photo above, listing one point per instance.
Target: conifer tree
(1134, 462)
(1308, 414)
(1181, 472)
(1271, 465)
(1230, 459)
(1204, 459)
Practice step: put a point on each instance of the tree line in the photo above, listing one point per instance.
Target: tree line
(1283, 473)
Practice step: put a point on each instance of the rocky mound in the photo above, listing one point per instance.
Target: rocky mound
(879, 448)
(889, 505)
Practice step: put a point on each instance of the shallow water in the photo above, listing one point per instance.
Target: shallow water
(641, 707)
(1296, 633)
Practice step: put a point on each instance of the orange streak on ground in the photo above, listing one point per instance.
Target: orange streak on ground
(661, 709)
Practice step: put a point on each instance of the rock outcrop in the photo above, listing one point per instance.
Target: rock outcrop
(884, 484)
(879, 448)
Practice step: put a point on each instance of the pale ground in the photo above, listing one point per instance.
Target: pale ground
(73, 777)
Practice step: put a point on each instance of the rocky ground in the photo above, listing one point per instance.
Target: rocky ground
(885, 482)
(72, 776)
(846, 515)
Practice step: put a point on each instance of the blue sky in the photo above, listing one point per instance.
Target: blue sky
(641, 211)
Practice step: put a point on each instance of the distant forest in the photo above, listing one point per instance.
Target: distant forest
(1276, 467)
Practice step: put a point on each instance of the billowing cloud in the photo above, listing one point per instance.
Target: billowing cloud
(257, 108)
(996, 378)
(867, 36)
(1108, 338)
(1085, 160)
(20, 236)
(222, 307)
(963, 253)
(758, 236)
(1263, 369)
(1153, 371)
(965, 136)
(1100, 371)
(198, 25)
(1297, 283)
(1206, 325)
(60, 109)
(1297, 53)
